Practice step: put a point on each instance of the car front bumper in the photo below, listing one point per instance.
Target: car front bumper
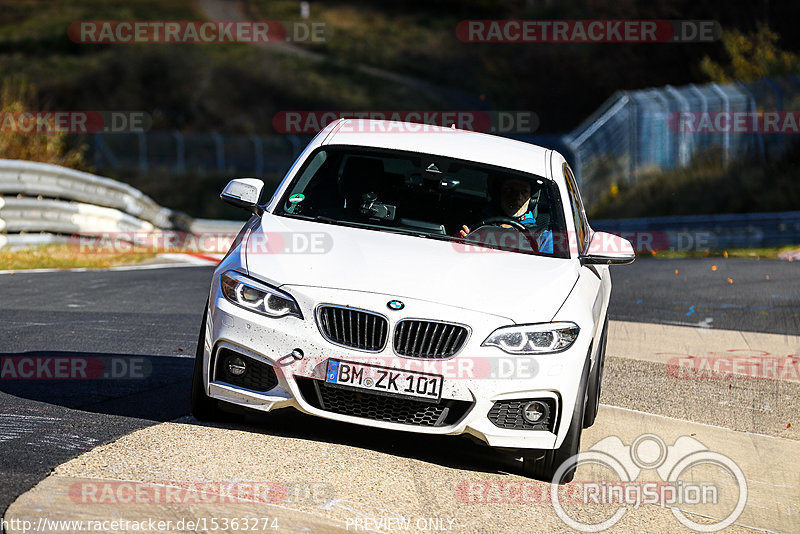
(475, 378)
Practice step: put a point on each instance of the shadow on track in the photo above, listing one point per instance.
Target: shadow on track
(154, 388)
(457, 452)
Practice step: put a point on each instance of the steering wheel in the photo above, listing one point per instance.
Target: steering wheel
(494, 221)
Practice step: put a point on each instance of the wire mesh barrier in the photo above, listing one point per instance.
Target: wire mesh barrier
(706, 232)
(634, 132)
(180, 154)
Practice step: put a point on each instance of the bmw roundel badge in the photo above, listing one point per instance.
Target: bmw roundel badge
(395, 305)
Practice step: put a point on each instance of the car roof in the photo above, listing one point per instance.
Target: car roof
(448, 142)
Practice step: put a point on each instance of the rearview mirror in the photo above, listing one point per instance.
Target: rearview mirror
(244, 193)
(608, 249)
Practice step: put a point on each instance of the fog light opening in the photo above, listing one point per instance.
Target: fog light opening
(236, 366)
(535, 412)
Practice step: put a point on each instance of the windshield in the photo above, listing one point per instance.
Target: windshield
(429, 196)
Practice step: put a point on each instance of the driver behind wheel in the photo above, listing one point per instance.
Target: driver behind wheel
(514, 202)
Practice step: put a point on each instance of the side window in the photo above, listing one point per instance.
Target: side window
(578, 215)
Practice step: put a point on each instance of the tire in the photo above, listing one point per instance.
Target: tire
(204, 408)
(542, 465)
(596, 380)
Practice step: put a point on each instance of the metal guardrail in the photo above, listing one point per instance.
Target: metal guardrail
(214, 226)
(27, 240)
(701, 232)
(60, 217)
(42, 203)
(53, 181)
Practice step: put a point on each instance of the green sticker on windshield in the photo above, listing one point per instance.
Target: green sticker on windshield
(299, 197)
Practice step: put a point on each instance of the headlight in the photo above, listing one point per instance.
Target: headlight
(534, 338)
(258, 297)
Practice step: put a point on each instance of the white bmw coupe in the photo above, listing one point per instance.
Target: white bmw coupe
(420, 279)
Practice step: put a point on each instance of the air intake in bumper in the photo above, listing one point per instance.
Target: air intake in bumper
(380, 407)
(508, 414)
(255, 375)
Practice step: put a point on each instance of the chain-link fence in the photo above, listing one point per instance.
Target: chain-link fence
(180, 154)
(634, 132)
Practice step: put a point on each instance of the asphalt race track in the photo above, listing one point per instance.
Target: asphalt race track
(149, 316)
(741, 294)
(149, 319)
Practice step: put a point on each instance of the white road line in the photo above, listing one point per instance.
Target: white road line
(749, 433)
(120, 268)
(14, 426)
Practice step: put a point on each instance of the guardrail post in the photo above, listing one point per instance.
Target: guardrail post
(180, 153)
(220, 152)
(633, 139)
(142, 152)
(101, 148)
(774, 86)
(97, 154)
(726, 136)
(683, 144)
(751, 104)
(702, 136)
(297, 145)
(670, 160)
(258, 150)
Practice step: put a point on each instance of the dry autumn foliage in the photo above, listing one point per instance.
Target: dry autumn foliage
(16, 96)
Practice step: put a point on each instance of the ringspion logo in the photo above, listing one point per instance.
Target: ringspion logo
(688, 475)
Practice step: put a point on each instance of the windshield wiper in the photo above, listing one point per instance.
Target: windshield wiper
(331, 220)
(401, 231)
(324, 219)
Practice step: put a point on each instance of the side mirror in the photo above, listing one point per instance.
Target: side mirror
(244, 193)
(608, 249)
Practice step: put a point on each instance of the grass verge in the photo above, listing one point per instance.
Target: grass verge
(65, 257)
(769, 253)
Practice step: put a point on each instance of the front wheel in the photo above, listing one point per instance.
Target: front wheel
(596, 381)
(204, 408)
(542, 465)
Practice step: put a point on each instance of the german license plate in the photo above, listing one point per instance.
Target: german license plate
(384, 380)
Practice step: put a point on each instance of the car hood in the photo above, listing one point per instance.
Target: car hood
(521, 287)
